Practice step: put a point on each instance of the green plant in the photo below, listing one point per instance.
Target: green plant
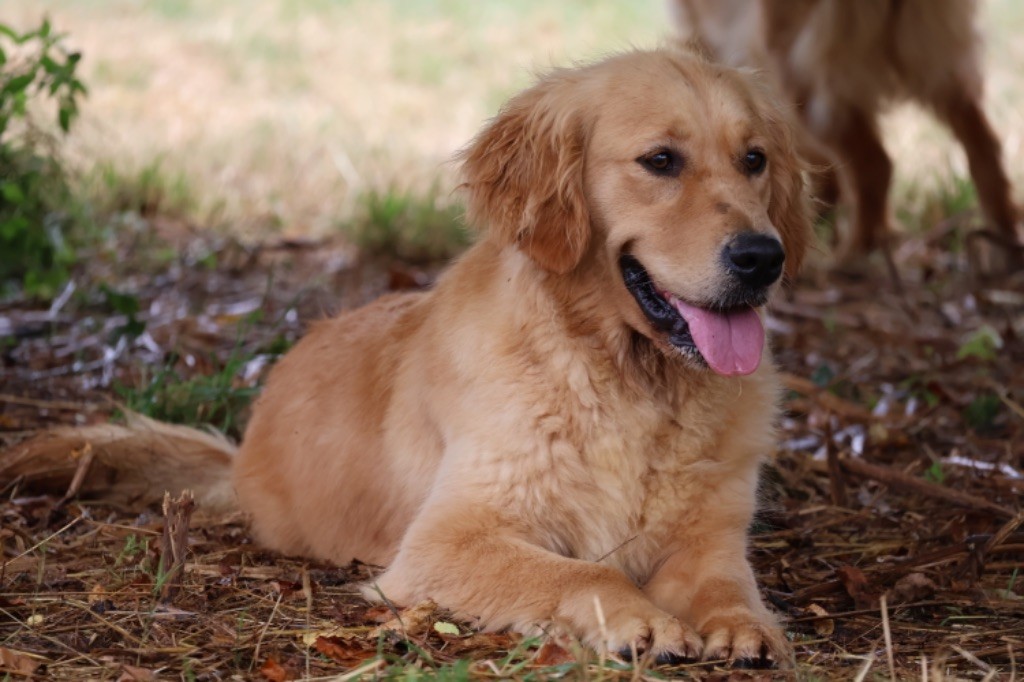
(147, 190)
(217, 399)
(35, 69)
(935, 473)
(408, 226)
(983, 344)
(981, 413)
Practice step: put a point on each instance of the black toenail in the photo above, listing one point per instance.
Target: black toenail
(671, 658)
(626, 653)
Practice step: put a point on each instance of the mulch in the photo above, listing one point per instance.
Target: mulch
(891, 537)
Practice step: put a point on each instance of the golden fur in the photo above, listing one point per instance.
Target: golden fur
(519, 443)
(841, 62)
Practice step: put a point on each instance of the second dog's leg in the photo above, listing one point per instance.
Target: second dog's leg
(854, 135)
(968, 122)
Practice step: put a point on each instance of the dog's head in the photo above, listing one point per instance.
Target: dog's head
(676, 178)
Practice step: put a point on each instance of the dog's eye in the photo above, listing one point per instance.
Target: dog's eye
(661, 162)
(754, 161)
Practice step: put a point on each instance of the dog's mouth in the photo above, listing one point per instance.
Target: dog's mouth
(729, 338)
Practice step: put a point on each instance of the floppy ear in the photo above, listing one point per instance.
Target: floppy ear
(789, 206)
(524, 175)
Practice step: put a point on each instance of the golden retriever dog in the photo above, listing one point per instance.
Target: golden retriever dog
(567, 428)
(842, 62)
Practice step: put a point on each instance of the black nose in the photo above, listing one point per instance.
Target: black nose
(755, 259)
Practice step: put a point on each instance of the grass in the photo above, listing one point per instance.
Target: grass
(147, 190)
(286, 115)
(413, 227)
(302, 117)
(219, 398)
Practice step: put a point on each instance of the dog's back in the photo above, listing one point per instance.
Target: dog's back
(866, 52)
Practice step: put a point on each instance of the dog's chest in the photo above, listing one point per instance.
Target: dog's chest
(624, 474)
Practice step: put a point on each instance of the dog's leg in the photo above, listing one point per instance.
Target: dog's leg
(971, 127)
(713, 589)
(853, 133)
(476, 563)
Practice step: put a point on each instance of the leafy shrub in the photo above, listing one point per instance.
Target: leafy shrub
(35, 70)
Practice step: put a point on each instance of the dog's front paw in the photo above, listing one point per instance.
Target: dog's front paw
(663, 636)
(742, 638)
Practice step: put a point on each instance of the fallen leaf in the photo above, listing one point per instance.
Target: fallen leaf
(551, 653)
(410, 622)
(17, 662)
(856, 584)
(480, 644)
(347, 652)
(275, 672)
(309, 638)
(131, 673)
(911, 588)
(97, 593)
(378, 614)
(445, 628)
(824, 627)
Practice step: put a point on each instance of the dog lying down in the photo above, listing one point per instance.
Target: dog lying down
(573, 418)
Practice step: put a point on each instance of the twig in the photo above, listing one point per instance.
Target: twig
(865, 669)
(968, 656)
(829, 401)
(887, 633)
(616, 549)
(1001, 535)
(898, 479)
(47, 404)
(836, 480)
(45, 540)
(263, 632)
(174, 543)
(85, 458)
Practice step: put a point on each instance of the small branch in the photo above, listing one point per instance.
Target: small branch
(836, 479)
(830, 401)
(174, 543)
(898, 479)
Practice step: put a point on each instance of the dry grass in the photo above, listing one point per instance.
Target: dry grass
(898, 475)
(281, 114)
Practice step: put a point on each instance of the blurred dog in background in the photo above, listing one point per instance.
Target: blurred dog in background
(841, 62)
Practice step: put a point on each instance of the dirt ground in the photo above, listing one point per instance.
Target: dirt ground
(889, 540)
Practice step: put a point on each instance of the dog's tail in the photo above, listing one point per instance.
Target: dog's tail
(130, 464)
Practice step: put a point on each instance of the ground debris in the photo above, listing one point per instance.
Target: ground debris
(900, 473)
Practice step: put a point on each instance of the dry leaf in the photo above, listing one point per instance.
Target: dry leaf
(275, 672)
(344, 651)
(378, 614)
(445, 628)
(911, 588)
(856, 584)
(551, 653)
(97, 594)
(17, 662)
(411, 622)
(131, 673)
(824, 627)
(479, 643)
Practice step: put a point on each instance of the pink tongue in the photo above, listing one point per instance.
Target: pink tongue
(732, 342)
